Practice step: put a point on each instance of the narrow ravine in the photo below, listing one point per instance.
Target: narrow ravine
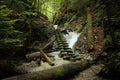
(59, 39)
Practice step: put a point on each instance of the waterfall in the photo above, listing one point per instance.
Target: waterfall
(55, 26)
(71, 38)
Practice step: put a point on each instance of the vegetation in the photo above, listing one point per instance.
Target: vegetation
(105, 17)
(27, 23)
(21, 26)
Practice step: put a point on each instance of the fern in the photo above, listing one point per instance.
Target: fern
(8, 35)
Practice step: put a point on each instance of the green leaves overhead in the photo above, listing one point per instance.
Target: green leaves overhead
(48, 7)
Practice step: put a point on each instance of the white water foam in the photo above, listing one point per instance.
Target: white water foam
(71, 38)
(55, 26)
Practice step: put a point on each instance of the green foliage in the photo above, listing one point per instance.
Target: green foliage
(117, 36)
(107, 40)
(9, 42)
(22, 23)
(50, 7)
(4, 11)
(17, 5)
(59, 72)
(37, 30)
(9, 37)
(79, 5)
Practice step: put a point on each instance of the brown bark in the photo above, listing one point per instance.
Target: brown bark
(58, 73)
(46, 58)
(51, 40)
(39, 54)
(33, 55)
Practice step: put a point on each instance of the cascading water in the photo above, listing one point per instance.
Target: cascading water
(71, 38)
(55, 26)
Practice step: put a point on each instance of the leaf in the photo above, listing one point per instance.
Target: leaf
(4, 11)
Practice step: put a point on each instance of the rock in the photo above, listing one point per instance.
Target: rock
(66, 57)
(62, 54)
(77, 58)
(50, 55)
(73, 56)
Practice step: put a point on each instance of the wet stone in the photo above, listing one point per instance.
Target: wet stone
(73, 56)
(66, 57)
(64, 46)
(77, 58)
(63, 54)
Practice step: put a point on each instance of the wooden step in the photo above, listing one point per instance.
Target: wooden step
(61, 42)
(69, 51)
(65, 48)
(63, 45)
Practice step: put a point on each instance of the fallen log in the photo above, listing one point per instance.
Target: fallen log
(58, 73)
(51, 40)
(44, 45)
(8, 67)
(39, 54)
(46, 58)
(33, 56)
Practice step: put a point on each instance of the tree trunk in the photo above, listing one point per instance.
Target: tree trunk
(62, 72)
(51, 40)
(89, 28)
(59, 73)
(47, 58)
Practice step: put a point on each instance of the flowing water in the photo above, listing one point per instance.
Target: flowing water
(71, 38)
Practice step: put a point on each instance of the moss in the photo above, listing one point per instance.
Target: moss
(66, 25)
(59, 72)
(107, 40)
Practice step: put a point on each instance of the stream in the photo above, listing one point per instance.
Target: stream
(71, 39)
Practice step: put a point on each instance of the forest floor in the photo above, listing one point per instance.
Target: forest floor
(90, 73)
(33, 67)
